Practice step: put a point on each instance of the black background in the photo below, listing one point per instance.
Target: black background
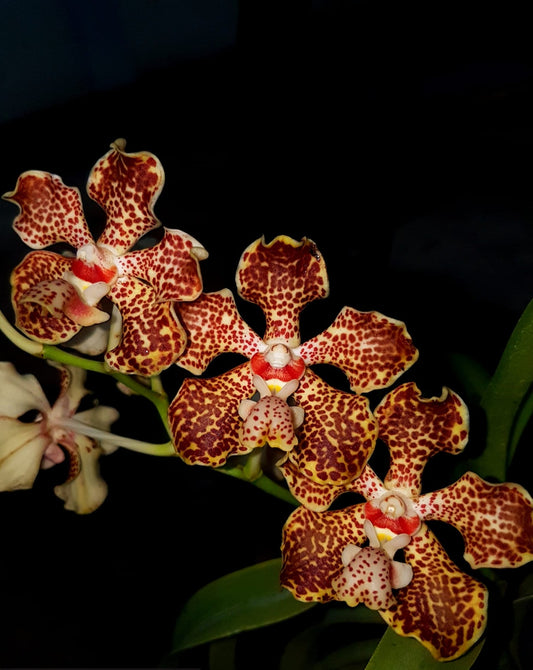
(397, 136)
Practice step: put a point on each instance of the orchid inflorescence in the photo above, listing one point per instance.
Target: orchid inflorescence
(134, 310)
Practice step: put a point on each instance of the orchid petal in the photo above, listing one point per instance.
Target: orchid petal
(152, 337)
(416, 428)
(442, 607)
(281, 278)
(312, 547)
(338, 434)
(38, 296)
(19, 393)
(86, 491)
(171, 266)
(372, 349)
(204, 418)
(314, 496)
(101, 417)
(21, 449)
(126, 186)
(496, 520)
(214, 326)
(50, 212)
(268, 421)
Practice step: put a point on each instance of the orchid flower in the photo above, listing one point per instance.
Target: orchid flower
(434, 601)
(55, 296)
(327, 433)
(56, 430)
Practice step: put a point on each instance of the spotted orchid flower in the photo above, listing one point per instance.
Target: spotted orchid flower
(440, 605)
(35, 435)
(55, 296)
(327, 433)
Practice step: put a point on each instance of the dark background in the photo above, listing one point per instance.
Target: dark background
(397, 136)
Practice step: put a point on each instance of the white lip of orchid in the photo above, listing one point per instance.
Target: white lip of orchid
(90, 293)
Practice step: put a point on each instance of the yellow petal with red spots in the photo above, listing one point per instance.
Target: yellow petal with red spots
(39, 294)
(495, 520)
(204, 417)
(312, 545)
(416, 428)
(311, 494)
(214, 326)
(282, 277)
(338, 434)
(171, 266)
(152, 336)
(442, 607)
(50, 212)
(126, 186)
(372, 349)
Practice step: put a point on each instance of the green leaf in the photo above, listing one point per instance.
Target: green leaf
(395, 651)
(471, 374)
(504, 397)
(243, 600)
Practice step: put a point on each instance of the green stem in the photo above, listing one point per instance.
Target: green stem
(263, 482)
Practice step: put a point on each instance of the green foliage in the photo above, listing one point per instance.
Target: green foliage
(243, 600)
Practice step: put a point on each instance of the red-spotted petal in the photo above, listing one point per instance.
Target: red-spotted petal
(496, 520)
(338, 434)
(214, 326)
(171, 266)
(38, 296)
(312, 545)
(442, 607)
(152, 336)
(50, 212)
(126, 186)
(269, 420)
(416, 428)
(204, 417)
(372, 349)
(282, 277)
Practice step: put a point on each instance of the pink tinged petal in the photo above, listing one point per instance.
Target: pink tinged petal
(496, 520)
(312, 546)
(172, 266)
(443, 608)
(338, 434)
(126, 186)
(270, 420)
(214, 326)
(21, 448)
(50, 212)
(53, 455)
(204, 417)
(152, 337)
(85, 490)
(416, 428)
(372, 349)
(20, 393)
(38, 295)
(281, 278)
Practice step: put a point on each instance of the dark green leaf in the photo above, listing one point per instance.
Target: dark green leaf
(243, 600)
(395, 651)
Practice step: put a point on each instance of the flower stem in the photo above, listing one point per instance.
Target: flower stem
(140, 446)
(263, 482)
(18, 339)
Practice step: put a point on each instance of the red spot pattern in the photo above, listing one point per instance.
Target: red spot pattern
(152, 337)
(415, 429)
(496, 520)
(372, 349)
(42, 269)
(126, 187)
(50, 212)
(214, 326)
(204, 417)
(338, 434)
(269, 421)
(282, 277)
(312, 545)
(442, 607)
